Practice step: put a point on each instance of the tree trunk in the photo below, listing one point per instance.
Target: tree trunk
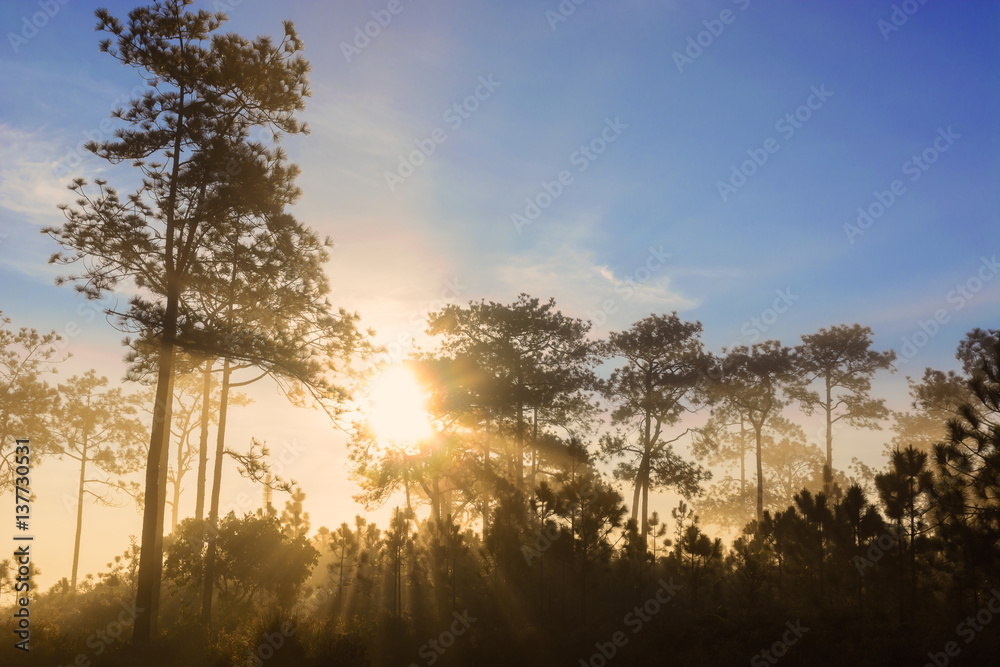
(213, 513)
(913, 557)
(178, 473)
(486, 486)
(828, 473)
(635, 496)
(534, 450)
(79, 514)
(151, 551)
(519, 454)
(340, 579)
(436, 500)
(760, 474)
(743, 468)
(645, 505)
(162, 508)
(206, 395)
(647, 448)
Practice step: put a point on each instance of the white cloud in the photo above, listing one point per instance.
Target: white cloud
(28, 183)
(584, 288)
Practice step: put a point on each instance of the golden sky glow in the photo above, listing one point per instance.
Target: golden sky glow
(397, 407)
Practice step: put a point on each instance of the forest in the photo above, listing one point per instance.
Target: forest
(520, 454)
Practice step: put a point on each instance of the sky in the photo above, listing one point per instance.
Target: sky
(764, 168)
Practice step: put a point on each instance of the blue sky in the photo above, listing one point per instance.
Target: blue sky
(446, 231)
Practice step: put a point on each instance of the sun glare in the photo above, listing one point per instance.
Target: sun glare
(397, 411)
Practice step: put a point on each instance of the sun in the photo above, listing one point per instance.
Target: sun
(398, 407)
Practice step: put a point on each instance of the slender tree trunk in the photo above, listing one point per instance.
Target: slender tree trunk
(340, 580)
(436, 500)
(79, 513)
(645, 506)
(213, 513)
(206, 395)
(519, 460)
(151, 551)
(534, 450)
(828, 473)
(636, 495)
(645, 521)
(743, 468)
(454, 573)
(162, 508)
(902, 556)
(760, 474)
(486, 486)
(178, 473)
(647, 448)
(913, 558)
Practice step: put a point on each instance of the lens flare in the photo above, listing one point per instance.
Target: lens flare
(398, 407)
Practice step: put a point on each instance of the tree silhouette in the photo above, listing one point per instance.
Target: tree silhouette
(752, 379)
(905, 492)
(936, 398)
(345, 545)
(538, 359)
(204, 90)
(841, 360)
(26, 400)
(295, 521)
(965, 496)
(97, 426)
(718, 443)
(662, 371)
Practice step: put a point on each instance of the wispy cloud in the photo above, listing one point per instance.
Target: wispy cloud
(27, 183)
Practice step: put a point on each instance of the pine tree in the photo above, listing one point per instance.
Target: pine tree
(659, 380)
(97, 427)
(205, 90)
(841, 360)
